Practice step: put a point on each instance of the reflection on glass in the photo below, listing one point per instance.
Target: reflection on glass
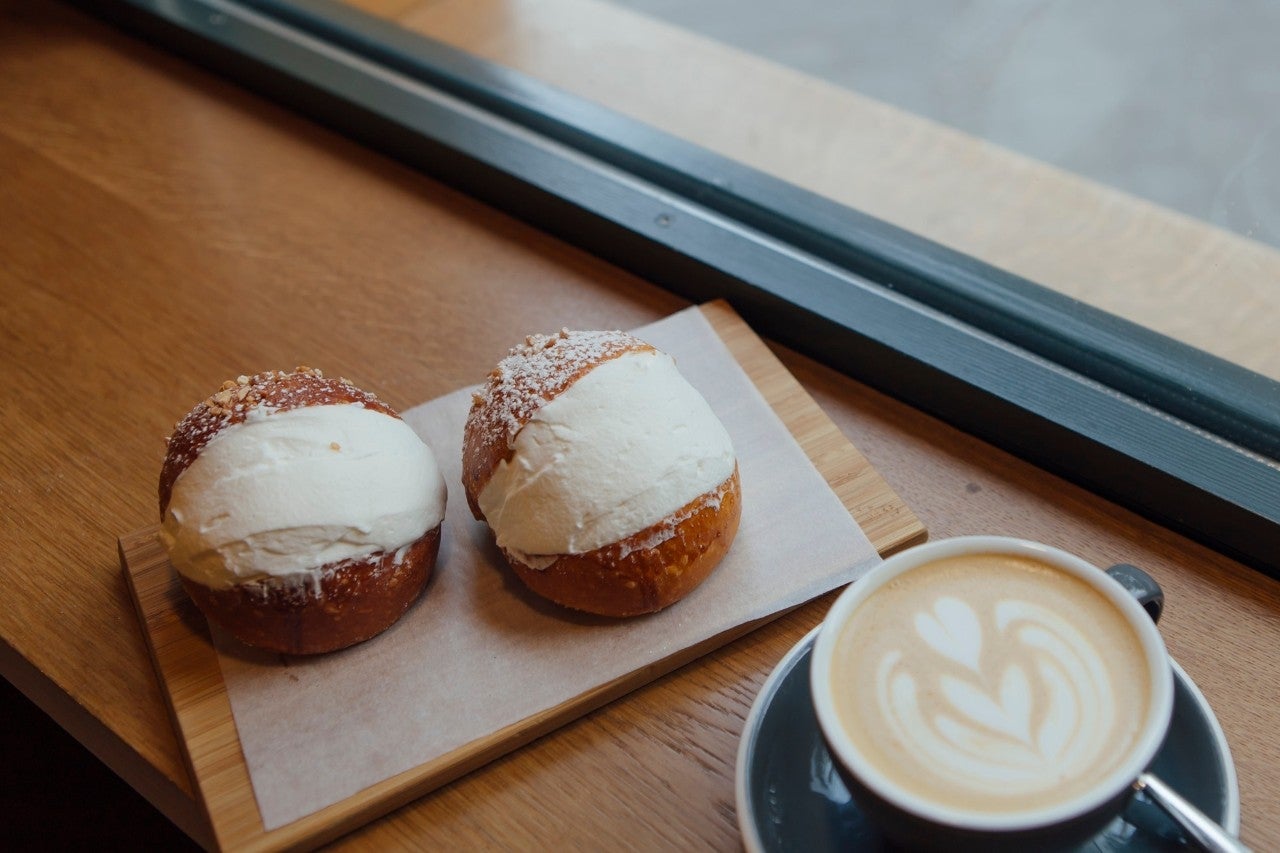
(1126, 157)
(1173, 102)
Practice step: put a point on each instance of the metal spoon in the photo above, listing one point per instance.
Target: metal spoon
(1198, 826)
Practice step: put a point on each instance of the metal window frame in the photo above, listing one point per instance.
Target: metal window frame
(1184, 438)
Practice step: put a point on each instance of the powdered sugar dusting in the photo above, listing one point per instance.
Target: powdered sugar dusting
(531, 375)
(537, 370)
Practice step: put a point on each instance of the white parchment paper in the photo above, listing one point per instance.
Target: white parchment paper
(478, 652)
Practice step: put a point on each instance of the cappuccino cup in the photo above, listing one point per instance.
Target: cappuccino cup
(992, 693)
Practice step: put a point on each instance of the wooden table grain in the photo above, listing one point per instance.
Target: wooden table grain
(164, 229)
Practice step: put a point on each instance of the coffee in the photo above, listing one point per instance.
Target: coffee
(991, 683)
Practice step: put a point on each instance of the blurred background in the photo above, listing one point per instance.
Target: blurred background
(1174, 101)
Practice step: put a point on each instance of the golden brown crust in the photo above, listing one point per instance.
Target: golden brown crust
(274, 389)
(531, 375)
(648, 571)
(353, 601)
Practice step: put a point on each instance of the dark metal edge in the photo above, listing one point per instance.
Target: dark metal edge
(1179, 475)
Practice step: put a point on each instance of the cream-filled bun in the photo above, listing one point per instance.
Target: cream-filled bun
(301, 513)
(608, 482)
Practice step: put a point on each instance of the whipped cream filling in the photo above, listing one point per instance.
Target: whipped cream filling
(284, 493)
(622, 448)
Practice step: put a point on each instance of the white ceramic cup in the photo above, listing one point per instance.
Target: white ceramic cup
(918, 821)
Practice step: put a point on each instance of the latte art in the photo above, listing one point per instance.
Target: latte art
(983, 735)
(999, 683)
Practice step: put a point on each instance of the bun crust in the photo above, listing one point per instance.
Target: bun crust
(353, 601)
(643, 573)
(633, 577)
(350, 600)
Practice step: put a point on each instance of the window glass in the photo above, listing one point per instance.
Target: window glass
(1124, 154)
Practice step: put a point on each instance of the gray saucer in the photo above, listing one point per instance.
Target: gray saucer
(790, 798)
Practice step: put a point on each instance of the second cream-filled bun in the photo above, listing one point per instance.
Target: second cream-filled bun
(301, 513)
(610, 485)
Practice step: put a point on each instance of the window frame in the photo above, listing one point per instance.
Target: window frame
(1180, 436)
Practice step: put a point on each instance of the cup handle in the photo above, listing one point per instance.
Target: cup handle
(1141, 586)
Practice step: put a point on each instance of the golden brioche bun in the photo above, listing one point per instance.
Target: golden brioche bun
(354, 599)
(642, 573)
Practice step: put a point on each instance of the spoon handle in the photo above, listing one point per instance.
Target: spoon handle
(1200, 829)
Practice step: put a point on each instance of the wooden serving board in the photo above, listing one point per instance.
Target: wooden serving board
(190, 674)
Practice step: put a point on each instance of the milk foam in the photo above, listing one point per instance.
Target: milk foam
(283, 493)
(622, 448)
(993, 691)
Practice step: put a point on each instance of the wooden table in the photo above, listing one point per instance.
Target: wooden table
(163, 229)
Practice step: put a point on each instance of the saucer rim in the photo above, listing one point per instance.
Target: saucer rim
(748, 823)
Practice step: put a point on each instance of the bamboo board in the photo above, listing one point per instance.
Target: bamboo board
(189, 672)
